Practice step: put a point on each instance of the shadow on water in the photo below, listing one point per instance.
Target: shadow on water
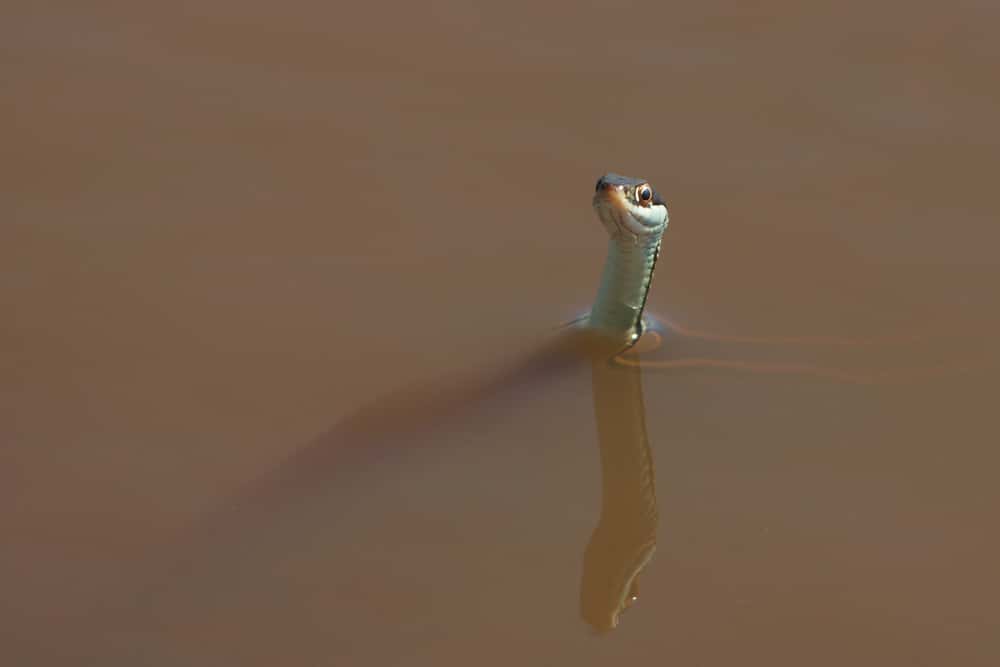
(621, 545)
(222, 552)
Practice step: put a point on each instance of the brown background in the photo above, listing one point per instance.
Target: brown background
(226, 225)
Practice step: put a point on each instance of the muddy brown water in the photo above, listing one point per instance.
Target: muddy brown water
(226, 227)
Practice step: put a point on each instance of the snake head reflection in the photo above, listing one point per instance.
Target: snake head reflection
(612, 564)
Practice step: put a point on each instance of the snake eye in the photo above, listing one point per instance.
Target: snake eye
(644, 193)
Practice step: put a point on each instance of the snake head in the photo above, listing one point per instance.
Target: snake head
(629, 207)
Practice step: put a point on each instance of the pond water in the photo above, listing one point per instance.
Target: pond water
(229, 227)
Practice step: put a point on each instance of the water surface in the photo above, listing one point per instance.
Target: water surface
(228, 227)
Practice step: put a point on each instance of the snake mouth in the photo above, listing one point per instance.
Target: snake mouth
(612, 209)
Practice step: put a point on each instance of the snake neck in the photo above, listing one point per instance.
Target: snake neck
(621, 297)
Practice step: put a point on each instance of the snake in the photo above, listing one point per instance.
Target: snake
(635, 217)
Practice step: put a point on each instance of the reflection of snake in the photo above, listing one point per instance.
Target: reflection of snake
(625, 537)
